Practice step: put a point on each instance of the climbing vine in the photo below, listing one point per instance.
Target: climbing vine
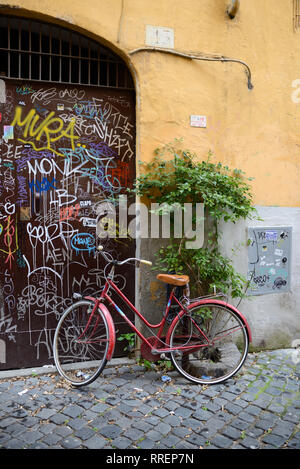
(178, 176)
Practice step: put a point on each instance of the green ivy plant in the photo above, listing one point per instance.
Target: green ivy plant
(129, 337)
(180, 178)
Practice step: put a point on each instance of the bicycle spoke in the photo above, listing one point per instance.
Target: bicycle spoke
(80, 344)
(212, 344)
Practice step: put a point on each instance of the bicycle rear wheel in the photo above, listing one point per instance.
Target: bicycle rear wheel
(228, 339)
(80, 343)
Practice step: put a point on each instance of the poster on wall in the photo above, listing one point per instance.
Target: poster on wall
(269, 260)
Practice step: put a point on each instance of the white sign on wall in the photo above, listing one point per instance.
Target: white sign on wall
(159, 36)
(198, 121)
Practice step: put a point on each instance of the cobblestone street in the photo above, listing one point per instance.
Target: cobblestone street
(129, 407)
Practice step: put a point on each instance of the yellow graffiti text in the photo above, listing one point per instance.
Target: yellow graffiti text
(51, 128)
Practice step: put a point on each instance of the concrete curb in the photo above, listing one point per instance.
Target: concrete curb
(6, 374)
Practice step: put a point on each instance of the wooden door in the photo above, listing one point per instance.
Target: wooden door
(64, 151)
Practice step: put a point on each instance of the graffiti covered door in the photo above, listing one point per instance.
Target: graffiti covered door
(64, 150)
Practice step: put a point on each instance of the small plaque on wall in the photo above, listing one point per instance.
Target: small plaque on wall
(198, 121)
(159, 36)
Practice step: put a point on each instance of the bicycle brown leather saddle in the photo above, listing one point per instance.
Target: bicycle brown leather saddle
(179, 280)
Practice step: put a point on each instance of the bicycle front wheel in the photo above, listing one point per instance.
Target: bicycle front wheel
(212, 343)
(80, 343)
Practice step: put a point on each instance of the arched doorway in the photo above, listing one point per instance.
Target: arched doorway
(67, 143)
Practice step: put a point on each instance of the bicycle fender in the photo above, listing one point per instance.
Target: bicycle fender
(227, 305)
(111, 331)
(221, 303)
(110, 325)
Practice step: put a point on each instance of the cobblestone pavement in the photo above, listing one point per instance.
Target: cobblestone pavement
(128, 407)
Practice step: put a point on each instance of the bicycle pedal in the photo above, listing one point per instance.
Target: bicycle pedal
(164, 356)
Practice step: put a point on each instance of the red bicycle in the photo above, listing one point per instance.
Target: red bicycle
(207, 339)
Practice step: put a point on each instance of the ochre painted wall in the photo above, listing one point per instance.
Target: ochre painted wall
(257, 131)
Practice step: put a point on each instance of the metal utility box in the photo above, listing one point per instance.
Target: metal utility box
(269, 260)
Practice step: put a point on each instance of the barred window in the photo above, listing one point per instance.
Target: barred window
(40, 51)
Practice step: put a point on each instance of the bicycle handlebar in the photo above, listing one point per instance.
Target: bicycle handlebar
(141, 261)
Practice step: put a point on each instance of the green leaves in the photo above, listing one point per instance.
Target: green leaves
(130, 338)
(182, 178)
(225, 192)
(207, 268)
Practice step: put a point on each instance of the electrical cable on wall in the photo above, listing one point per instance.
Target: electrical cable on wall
(213, 58)
(121, 21)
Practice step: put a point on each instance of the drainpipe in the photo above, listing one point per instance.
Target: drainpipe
(233, 8)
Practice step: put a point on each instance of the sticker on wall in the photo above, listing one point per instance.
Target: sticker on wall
(8, 132)
(2, 92)
(92, 222)
(269, 260)
(60, 107)
(198, 121)
(85, 203)
(2, 351)
(25, 213)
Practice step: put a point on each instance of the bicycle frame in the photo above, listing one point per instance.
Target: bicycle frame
(154, 346)
(197, 323)
(160, 326)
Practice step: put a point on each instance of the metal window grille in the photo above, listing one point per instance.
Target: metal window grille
(39, 51)
(296, 14)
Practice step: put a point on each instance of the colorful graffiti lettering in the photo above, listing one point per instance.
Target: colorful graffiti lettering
(42, 186)
(83, 242)
(64, 151)
(69, 212)
(24, 89)
(10, 239)
(32, 128)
